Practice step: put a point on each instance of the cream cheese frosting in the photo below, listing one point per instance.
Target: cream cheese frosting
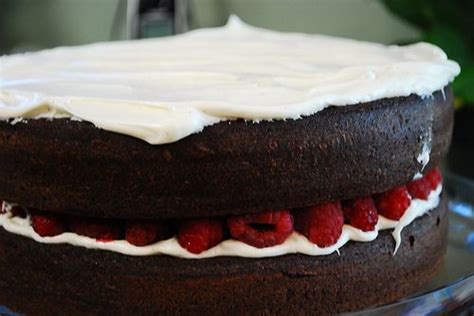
(162, 90)
(296, 243)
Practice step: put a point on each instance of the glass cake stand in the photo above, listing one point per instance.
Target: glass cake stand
(452, 290)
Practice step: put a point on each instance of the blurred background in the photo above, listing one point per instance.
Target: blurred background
(28, 25)
(33, 24)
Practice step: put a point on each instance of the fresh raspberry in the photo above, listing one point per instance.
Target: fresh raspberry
(199, 235)
(262, 230)
(321, 224)
(419, 188)
(47, 224)
(143, 233)
(101, 229)
(393, 203)
(361, 213)
(434, 178)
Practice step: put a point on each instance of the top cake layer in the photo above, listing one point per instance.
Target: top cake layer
(162, 90)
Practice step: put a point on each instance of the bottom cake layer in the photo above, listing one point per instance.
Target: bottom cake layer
(45, 279)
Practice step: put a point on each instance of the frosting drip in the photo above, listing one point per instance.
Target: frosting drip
(162, 90)
(296, 243)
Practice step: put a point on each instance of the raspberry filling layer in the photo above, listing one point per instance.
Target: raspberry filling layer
(317, 230)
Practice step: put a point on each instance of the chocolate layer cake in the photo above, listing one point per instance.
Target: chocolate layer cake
(250, 172)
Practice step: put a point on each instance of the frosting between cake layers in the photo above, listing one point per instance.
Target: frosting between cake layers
(296, 243)
(162, 90)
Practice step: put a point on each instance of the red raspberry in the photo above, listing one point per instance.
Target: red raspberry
(262, 230)
(434, 177)
(419, 188)
(393, 203)
(143, 233)
(200, 234)
(321, 224)
(103, 230)
(47, 224)
(361, 213)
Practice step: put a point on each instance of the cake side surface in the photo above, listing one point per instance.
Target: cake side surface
(229, 168)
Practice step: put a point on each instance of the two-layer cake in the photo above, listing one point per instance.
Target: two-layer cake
(234, 170)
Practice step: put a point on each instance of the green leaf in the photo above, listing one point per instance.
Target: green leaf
(463, 86)
(420, 13)
(453, 43)
(449, 25)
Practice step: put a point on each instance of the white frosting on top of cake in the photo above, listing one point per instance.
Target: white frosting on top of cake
(296, 243)
(161, 90)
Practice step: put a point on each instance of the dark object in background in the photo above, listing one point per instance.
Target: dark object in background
(147, 5)
(461, 154)
(153, 18)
